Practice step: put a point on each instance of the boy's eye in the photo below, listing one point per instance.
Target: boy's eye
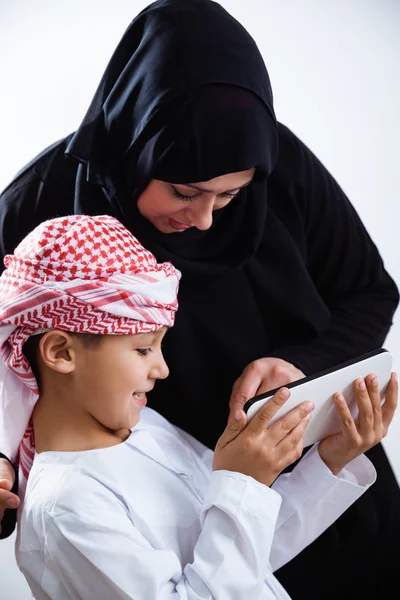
(143, 351)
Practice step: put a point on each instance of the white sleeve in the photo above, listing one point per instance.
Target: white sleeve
(312, 499)
(97, 552)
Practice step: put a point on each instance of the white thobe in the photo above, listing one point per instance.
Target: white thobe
(148, 519)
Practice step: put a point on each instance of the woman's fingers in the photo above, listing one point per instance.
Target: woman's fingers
(390, 404)
(260, 376)
(7, 498)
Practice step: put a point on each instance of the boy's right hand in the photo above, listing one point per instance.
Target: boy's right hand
(7, 477)
(263, 453)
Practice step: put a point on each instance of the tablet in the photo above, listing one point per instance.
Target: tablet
(321, 387)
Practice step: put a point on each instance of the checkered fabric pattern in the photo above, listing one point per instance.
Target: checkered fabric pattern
(81, 274)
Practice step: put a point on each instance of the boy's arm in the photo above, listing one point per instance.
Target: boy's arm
(312, 499)
(95, 550)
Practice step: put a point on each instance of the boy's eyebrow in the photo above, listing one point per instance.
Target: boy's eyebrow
(152, 334)
(201, 189)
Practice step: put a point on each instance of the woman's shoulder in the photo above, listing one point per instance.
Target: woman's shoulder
(293, 154)
(45, 165)
(299, 176)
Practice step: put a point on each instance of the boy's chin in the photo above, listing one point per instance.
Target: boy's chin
(133, 421)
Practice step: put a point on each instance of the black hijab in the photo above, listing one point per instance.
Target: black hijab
(186, 97)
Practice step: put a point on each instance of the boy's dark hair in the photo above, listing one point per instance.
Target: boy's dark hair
(31, 349)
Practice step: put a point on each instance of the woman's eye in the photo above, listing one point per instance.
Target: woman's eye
(182, 196)
(186, 198)
(143, 351)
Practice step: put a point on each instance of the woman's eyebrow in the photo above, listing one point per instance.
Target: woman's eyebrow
(201, 189)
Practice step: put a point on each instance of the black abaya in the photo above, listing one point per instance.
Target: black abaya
(287, 269)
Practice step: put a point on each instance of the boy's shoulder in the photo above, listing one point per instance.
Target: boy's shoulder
(58, 487)
(61, 481)
(58, 490)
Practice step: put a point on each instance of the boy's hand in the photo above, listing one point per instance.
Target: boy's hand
(7, 477)
(263, 453)
(371, 426)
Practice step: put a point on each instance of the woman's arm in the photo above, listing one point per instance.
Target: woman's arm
(8, 491)
(345, 267)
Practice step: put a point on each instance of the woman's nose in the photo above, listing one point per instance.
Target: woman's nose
(201, 214)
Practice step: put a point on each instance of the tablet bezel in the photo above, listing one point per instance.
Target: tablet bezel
(304, 380)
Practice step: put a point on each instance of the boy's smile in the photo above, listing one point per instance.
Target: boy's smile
(122, 368)
(96, 393)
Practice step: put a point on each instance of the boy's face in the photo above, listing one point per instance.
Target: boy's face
(112, 379)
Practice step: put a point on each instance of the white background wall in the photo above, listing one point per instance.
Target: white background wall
(334, 66)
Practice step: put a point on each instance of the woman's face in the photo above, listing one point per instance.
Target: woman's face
(172, 207)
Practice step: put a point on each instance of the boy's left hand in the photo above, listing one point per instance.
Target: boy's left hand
(371, 426)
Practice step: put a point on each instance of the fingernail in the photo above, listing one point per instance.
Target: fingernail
(238, 415)
(285, 393)
(11, 503)
(395, 377)
(361, 385)
(308, 417)
(309, 405)
(374, 380)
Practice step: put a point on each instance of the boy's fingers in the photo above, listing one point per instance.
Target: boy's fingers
(390, 404)
(262, 418)
(236, 423)
(366, 416)
(285, 426)
(293, 441)
(344, 414)
(375, 397)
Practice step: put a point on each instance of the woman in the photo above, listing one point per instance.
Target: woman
(184, 100)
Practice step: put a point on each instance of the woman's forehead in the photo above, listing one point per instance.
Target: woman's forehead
(228, 181)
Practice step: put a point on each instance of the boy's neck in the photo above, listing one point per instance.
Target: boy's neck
(60, 426)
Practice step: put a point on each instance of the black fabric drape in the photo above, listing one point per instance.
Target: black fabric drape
(286, 270)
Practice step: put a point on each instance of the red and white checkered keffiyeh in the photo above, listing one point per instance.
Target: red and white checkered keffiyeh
(81, 274)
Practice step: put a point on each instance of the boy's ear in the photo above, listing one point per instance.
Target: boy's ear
(57, 351)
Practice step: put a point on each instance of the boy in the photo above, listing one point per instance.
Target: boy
(121, 508)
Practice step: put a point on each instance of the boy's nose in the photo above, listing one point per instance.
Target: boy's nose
(160, 369)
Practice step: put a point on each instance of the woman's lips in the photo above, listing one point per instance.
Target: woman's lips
(177, 225)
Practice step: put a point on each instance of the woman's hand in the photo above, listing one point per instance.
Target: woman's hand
(371, 426)
(261, 376)
(260, 451)
(7, 477)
